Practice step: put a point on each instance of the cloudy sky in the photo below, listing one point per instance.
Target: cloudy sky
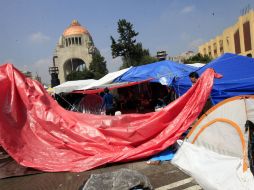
(30, 29)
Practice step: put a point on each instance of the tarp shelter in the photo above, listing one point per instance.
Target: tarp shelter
(107, 79)
(216, 150)
(110, 86)
(238, 77)
(81, 85)
(70, 86)
(158, 71)
(39, 133)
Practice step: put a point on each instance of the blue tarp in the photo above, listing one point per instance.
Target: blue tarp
(238, 77)
(162, 71)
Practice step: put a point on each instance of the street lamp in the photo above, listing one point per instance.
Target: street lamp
(53, 71)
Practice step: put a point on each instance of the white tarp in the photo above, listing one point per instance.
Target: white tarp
(70, 86)
(107, 79)
(211, 170)
(196, 64)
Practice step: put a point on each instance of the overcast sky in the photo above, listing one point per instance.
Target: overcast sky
(30, 29)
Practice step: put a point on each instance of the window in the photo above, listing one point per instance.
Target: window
(237, 42)
(247, 36)
(221, 46)
(66, 42)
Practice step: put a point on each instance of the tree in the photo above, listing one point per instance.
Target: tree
(97, 69)
(198, 58)
(98, 66)
(80, 75)
(132, 53)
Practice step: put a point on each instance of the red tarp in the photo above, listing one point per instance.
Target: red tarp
(38, 133)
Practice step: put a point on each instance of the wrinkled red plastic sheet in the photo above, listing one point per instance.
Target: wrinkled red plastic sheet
(38, 133)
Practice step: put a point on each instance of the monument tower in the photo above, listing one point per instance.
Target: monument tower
(73, 51)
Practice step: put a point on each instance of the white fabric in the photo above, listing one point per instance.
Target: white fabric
(105, 80)
(220, 136)
(196, 64)
(211, 170)
(70, 86)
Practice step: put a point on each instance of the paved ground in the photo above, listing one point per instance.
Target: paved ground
(164, 176)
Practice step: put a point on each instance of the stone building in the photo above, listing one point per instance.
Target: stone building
(30, 75)
(73, 51)
(182, 57)
(238, 39)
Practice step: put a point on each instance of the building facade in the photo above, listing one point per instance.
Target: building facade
(182, 57)
(30, 75)
(73, 51)
(238, 39)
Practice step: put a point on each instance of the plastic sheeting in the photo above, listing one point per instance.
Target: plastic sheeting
(38, 133)
(70, 86)
(238, 77)
(162, 70)
(123, 179)
(107, 79)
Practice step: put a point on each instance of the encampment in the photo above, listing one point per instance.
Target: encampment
(38, 133)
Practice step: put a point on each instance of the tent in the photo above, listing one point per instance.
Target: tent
(217, 146)
(107, 79)
(81, 85)
(70, 86)
(238, 77)
(158, 71)
(38, 133)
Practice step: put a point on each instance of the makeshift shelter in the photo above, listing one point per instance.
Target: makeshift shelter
(107, 79)
(70, 86)
(162, 71)
(217, 146)
(38, 133)
(238, 77)
(74, 101)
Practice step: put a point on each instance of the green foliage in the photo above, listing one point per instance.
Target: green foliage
(198, 58)
(80, 75)
(132, 53)
(98, 66)
(97, 69)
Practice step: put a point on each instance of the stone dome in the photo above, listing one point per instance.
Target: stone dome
(74, 29)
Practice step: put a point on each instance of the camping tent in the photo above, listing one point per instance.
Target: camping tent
(158, 71)
(238, 77)
(217, 146)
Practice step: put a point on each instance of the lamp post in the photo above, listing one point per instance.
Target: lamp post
(53, 71)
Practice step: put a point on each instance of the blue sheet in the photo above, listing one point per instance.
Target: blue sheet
(238, 77)
(165, 71)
